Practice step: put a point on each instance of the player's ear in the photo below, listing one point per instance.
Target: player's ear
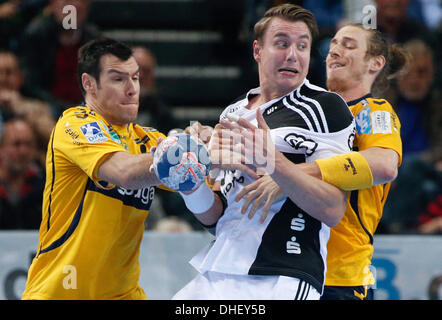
(89, 83)
(257, 50)
(377, 63)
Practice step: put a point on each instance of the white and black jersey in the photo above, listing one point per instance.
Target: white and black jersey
(307, 124)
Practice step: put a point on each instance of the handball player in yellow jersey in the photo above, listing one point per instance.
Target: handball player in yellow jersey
(98, 186)
(359, 60)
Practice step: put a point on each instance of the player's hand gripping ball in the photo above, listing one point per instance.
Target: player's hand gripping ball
(181, 162)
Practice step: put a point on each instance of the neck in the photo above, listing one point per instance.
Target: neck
(99, 109)
(351, 95)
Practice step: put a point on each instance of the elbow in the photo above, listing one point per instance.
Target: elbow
(333, 220)
(388, 174)
(333, 215)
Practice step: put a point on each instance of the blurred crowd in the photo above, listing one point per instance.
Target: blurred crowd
(38, 81)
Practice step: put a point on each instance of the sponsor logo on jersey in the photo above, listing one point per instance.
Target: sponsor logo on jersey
(381, 122)
(93, 133)
(363, 121)
(299, 142)
(351, 139)
(297, 224)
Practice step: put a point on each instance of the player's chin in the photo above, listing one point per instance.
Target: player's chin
(130, 111)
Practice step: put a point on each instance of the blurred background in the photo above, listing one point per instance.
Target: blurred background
(195, 58)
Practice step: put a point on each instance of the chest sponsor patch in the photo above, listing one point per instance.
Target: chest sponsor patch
(381, 122)
(93, 133)
(363, 122)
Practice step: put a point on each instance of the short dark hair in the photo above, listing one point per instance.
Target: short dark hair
(90, 54)
(286, 11)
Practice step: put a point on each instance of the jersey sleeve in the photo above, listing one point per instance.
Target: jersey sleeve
(377, 125)
(83, 139)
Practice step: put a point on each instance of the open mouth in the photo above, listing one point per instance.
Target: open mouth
(288, 71)
(336, 65)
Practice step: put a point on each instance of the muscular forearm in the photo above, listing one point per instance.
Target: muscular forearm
(319, 199)
(128, 170)
(383, 164)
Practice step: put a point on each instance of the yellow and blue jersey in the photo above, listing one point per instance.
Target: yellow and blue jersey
(350, 247)
(91, 231)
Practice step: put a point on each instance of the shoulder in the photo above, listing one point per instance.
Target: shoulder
(81, 120)
(79, 114)
(233, 106)
(369, 105)
(375, 115)
(336, 112)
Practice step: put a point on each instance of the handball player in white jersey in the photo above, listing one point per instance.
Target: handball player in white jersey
(293, 122)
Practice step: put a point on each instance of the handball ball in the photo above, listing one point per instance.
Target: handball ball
(181, 162)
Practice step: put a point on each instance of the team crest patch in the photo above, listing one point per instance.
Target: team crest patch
(93, 133)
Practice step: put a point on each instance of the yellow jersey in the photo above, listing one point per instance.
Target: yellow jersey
(350, 247)
(91, 231)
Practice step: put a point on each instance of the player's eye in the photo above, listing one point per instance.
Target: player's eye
(302, 46)
(281, 44)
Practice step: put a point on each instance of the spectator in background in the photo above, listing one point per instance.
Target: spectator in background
(50, 52)
(14, 16)
(415, 204)
(15, 102)
(21, 182)
(393, 21)
(153, 112)
(415, 199)
(417, 103)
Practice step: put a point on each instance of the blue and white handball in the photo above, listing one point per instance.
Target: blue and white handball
(181, 162)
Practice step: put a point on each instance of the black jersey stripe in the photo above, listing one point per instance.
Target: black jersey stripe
(354, 199)
(300, 286)
(307, 110)
(52, 180)
(316, 108)
(74, 223)
(305, 116)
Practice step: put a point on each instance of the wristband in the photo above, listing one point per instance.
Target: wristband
(200, 200)
(349, 171)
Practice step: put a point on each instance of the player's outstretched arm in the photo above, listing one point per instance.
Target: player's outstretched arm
(357, 170)
(128, 170)
(382, 164)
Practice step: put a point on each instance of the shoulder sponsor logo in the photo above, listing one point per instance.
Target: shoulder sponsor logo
(363, 122)
(93, 133)
(298, 142)
(73, 134)
(381, 121)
